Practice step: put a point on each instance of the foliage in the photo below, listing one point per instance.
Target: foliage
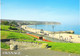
(13, 23)
(7, 27)
(13, 28)
(5, 22)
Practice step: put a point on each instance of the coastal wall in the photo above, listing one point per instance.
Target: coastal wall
(63, 35)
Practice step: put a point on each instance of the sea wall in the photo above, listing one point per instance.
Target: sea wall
(62, 35)
(46, 32)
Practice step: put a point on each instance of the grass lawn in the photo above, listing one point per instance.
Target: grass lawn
(5, 27)
(5, 46)
(10, 35)
(65, 47)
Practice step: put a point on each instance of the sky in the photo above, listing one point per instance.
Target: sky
(63, 11)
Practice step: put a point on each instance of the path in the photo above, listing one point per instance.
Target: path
(38, 52)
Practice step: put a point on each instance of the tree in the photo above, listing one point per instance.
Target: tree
(5, 22)
(14, 23)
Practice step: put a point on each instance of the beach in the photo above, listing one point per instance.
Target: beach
(74, 38)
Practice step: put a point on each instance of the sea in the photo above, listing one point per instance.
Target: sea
(75, 28)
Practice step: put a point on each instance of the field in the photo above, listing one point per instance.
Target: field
(5, 27)
(5, 46)
(14, 35)
(65, 47)
(6, 33)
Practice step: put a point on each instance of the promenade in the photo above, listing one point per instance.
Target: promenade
(61, 36)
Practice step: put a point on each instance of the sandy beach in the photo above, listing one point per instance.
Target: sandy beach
(61, 36)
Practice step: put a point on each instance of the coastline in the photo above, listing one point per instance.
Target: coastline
(61, 36)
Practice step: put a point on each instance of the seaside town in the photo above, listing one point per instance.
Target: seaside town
(18, 37)
(39, 28)
(63, 35)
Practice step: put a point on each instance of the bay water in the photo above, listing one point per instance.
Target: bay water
(75, 28)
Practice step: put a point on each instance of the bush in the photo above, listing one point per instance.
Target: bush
(5, 22)
(11, 28)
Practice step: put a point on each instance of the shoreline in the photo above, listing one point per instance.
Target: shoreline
(61, 36)
(61, 31)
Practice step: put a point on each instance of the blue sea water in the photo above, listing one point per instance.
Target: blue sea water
(75, 28)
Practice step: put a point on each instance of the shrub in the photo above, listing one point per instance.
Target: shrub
(13, 28)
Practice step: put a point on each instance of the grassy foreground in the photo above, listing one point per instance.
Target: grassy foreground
(65, 47)
(5, 46)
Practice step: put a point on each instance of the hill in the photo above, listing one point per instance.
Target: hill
(22, 22)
